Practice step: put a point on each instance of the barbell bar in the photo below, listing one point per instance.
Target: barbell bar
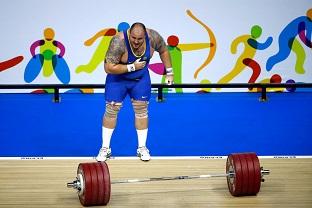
(243, 172)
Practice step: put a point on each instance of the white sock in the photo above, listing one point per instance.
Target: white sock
(106, 136)
(142, 136)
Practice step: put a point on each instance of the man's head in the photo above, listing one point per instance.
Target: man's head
(137, 35)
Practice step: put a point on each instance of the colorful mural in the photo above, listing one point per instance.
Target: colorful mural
(47, 60)
(250, 52)
(246, 58)
(287, 42)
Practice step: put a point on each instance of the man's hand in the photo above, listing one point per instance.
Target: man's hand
(169, 76)
(137, 65)
(169, 79)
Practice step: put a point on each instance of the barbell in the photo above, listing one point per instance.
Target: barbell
(243, 172)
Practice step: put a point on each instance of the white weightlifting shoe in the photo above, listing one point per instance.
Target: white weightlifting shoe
(143, 153)
(104, 154)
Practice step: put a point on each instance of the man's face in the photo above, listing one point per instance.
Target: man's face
(137, 37)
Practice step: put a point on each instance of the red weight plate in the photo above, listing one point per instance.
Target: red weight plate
(86, 197)
(101, 185)
(238, 175)
(251, 171)
(230, 168)
(257, 171)
(107, 182)
(94, 182)
(245, 174)
(234, 183)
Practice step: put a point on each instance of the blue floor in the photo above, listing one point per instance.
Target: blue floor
(31, 125)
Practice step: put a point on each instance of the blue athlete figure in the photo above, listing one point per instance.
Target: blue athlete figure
(47, 59)
(287, 41)
(126, 65)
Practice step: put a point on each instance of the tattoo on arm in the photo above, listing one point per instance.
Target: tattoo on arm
(157, 41)
(115, 50)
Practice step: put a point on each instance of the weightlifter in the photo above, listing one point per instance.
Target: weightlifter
(126, 65)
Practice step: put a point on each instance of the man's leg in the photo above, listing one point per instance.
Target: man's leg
(109, 124)
(141, 124)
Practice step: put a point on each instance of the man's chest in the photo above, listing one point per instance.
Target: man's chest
(124, 57)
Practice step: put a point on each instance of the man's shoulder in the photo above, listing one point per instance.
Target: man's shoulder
(118, 40)
(120, 35)
(150, 31)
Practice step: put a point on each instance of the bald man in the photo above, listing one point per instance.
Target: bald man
(126, 65)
